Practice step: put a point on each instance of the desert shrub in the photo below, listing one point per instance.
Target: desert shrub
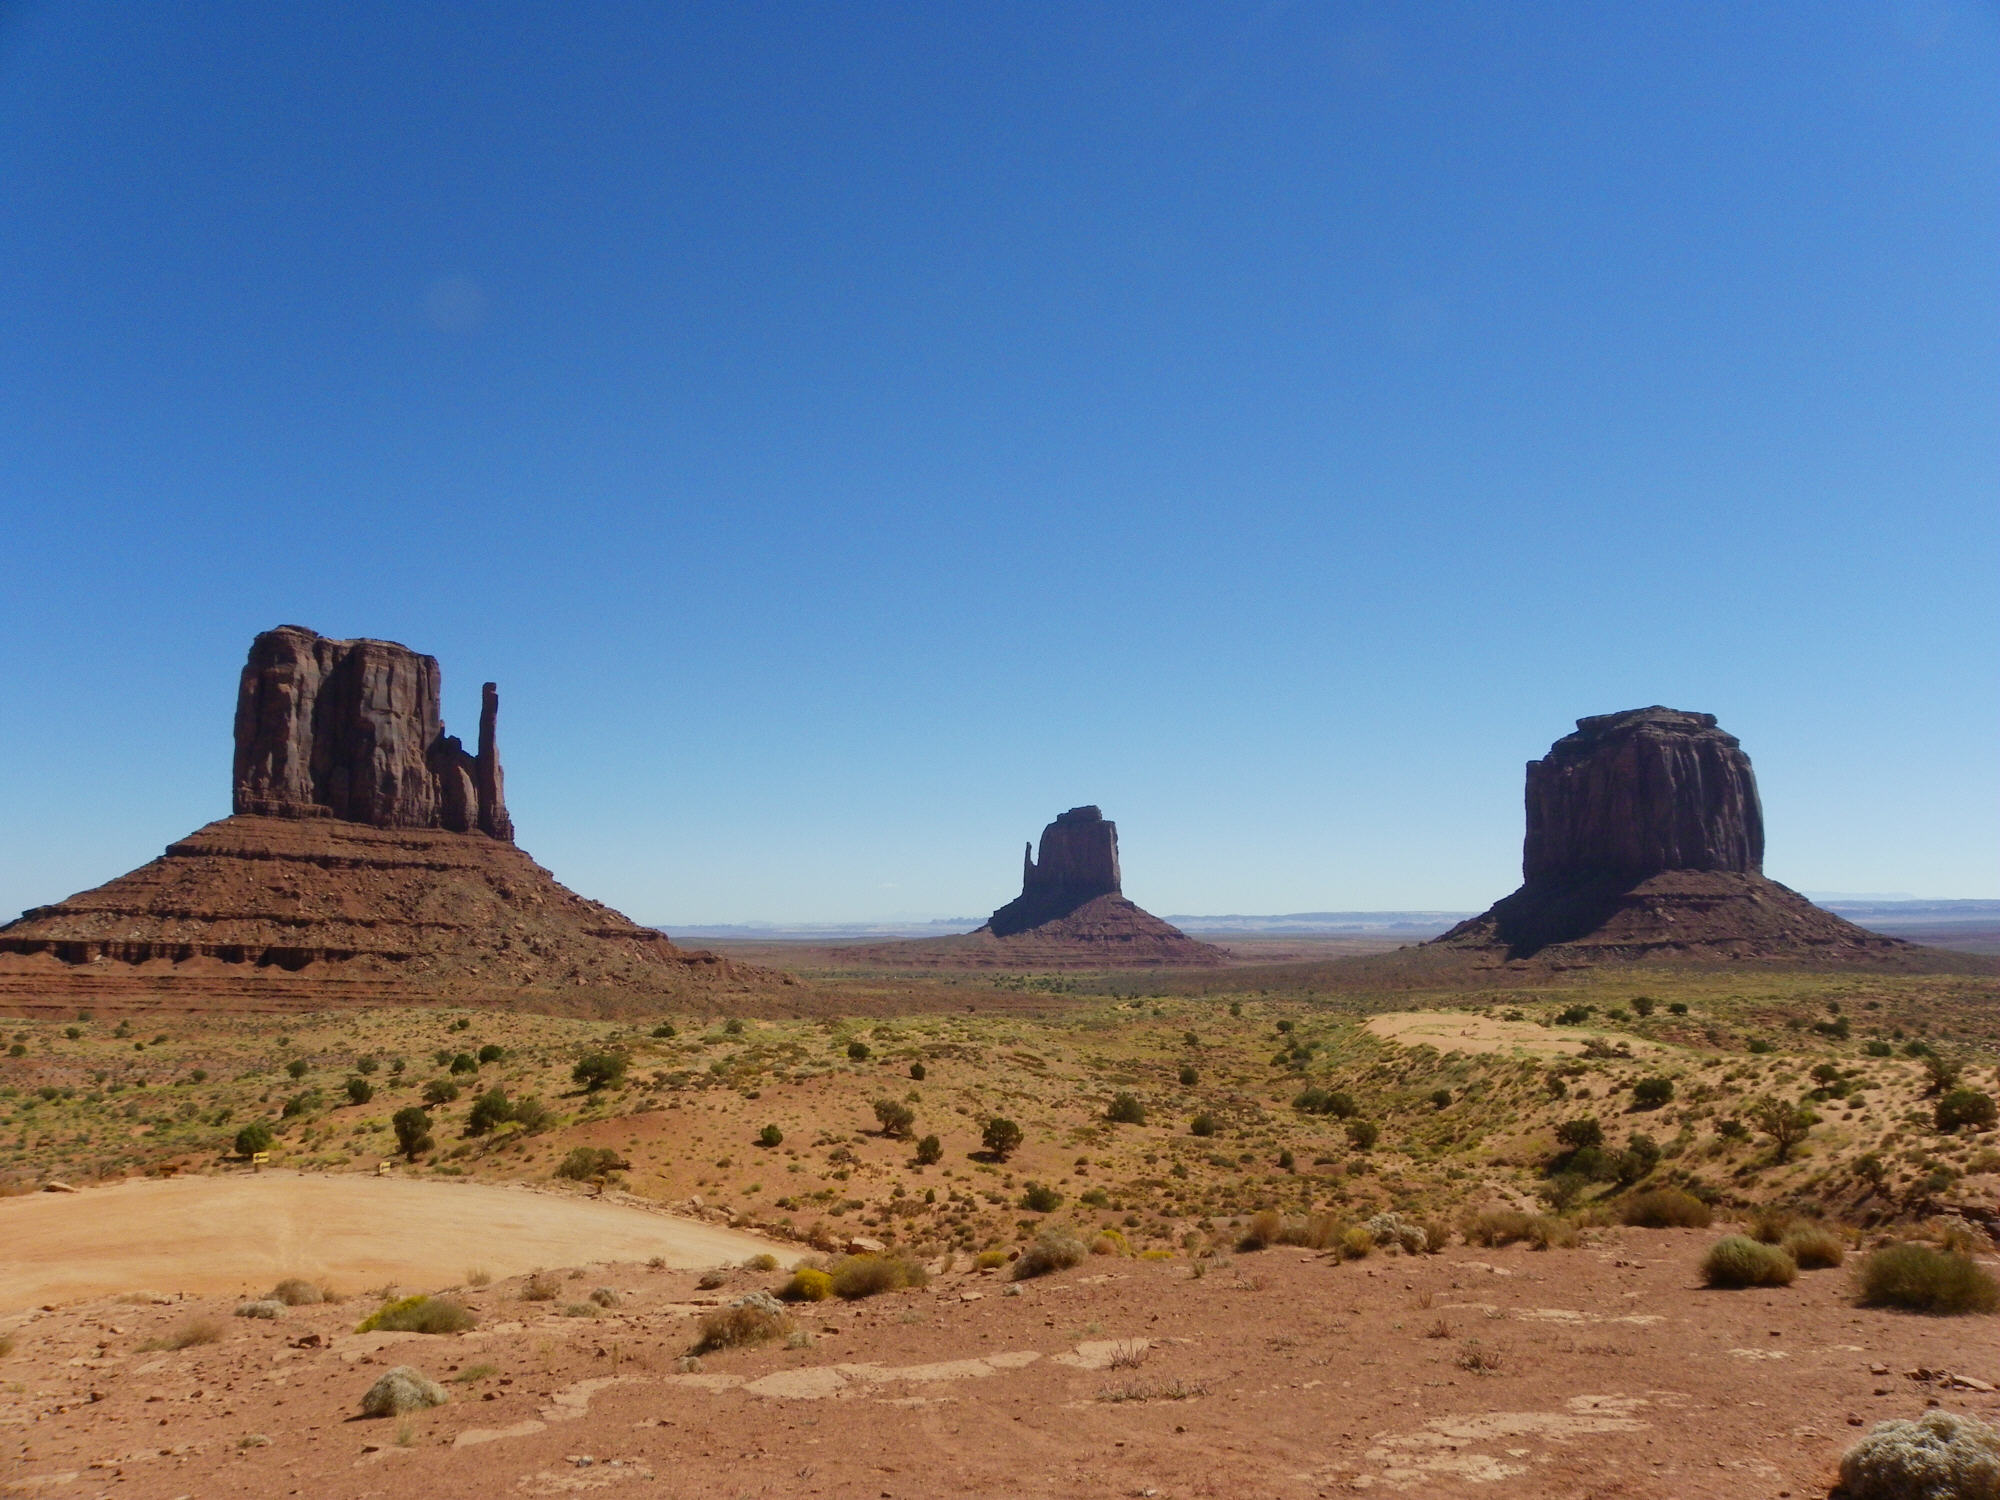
(1769, 1225)
(1189, 1078)
(187, 1335)
(1053, 1250)
(770, 1136)
(1440, 1098)
(1497, 1226)
(1001, 1136)
(1785, 1123)
(1262, 1230)
(764, 1260)
(1548, 1232)
(263, 1307)
(401, 1390)
(1040, 1198)
(865, 1275)
(1940, 1456)
(1920, 1279)
(857, 1051)
(254, 1137)
(586, 1162)
(295, 1291)
(1814, 1248)
(1437, 1235)
(359, 1090)
(489, 1111)
(440, 1091)
(1317, 1101)
(1966, 1107)
(990, 1260)
(297, 1067)
(464, 1062)
(1393, 1229)
(1736, 1260)
(413, 1131)
(755, 1319)
(1665, 1208)
(666, 1030)
(6, 1344)
(808, 1285)
(1125, 1109)
(1202, 1125)
(492, 1052)
(1110, 1242)
(918, 1072)
(1581, 1134)
(599, 1070)
(895, 1117)
(1651, 1093)
(930, 1151)
(1363, 1134)
(530, 1114)
(1355, 1243)
(419, 1314)
(540, 1287)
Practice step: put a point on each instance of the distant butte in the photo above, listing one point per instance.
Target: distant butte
(1645, 839)
(367, 853)
(1072, 913)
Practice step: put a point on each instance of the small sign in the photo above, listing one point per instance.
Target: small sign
(258, 1158)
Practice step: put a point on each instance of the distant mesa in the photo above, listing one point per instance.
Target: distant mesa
(1645, 838)
(367, 851)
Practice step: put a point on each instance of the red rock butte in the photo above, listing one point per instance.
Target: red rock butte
(368, 857)
(1645, 839)
(1072, 913)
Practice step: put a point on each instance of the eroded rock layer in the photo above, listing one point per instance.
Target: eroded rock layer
(260, 895)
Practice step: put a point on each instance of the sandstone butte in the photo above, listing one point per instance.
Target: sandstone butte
(368, 857)
(1645, 839)
(1072, 913)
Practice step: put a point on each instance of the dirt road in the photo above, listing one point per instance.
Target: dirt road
(214, 1236)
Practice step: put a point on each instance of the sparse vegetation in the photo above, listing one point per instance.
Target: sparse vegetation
(1737, 1261)
(1917, 1278)
(855, 1276)
(1665, 1208)
(746, 1324)
(1053, 1250)
(419, 1314)
(1941, 1456)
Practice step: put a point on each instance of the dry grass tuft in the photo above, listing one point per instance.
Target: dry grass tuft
(1736, 1261)
(1917, 1278)
(201, 1330)
(739, 1327)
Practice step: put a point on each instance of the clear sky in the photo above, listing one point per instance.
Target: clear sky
(852, 433)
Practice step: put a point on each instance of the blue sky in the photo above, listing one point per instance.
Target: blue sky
(852, 434)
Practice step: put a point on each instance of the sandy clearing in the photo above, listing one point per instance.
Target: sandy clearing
(1461, 1031)
(209, 1236)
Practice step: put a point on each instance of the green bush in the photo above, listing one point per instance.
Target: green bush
(585, 1163)
(531, 1114)
(1736, 1260)
(1651, 1093)
(359, 1090)
(492, 1053)
(1001, 1136)
(440, 1091)
(930, 1151)
(297, 1067)
(254, 1137)
(595, 1071)
(1125, 1109)
(1189, 1078)
(1041, 1198)
(1363, 1134)
(413, 1131)
(1965, 1107)
(419, 1314)
(464, 1062)
(1202, 1125)
(770, 1136)
(1917, 1278)
(1581, 1134)
(1665, 1208)
(857, 1051)
(895, 1117)
(1317, 1101)
(856, 1276)
(489, 1111)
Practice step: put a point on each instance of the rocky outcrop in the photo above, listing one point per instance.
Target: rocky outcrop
(1633, 794)
(1645, 838)
(352, 730)
(369, 858)
(1078, 862)
(1071, 913)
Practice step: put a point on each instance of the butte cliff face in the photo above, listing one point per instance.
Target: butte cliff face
(352, 730)
(1071, 913)
(368, 857)
(1645, 837)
